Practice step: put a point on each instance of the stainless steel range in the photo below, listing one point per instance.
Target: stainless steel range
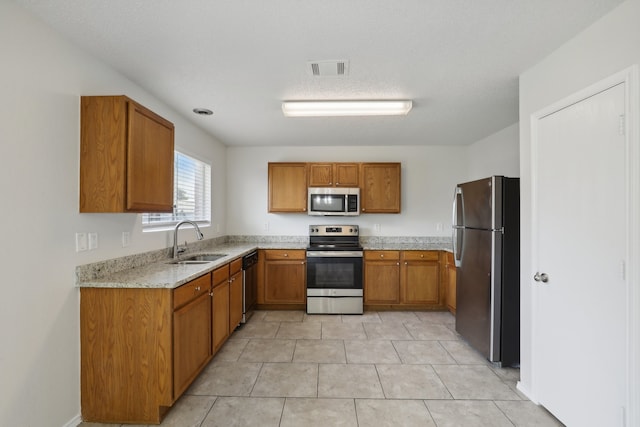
(334, 270)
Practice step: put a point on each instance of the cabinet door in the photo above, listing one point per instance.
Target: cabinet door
(321, 175)
(287, 187)
(220, 306)
(149, 161)
(346, 174)
(381, 277)
(421, 282)
(126, 157)
(285, 282)
(191, 341)
(450, 275)
(380, 184)
(235, 301)
(220, 315)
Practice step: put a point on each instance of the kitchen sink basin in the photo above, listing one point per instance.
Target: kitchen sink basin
(188, 261)
(205, 257)
(198, 259)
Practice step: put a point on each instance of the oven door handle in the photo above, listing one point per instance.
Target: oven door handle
(334, 254)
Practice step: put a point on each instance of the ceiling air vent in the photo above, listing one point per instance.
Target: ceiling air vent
(334, 68)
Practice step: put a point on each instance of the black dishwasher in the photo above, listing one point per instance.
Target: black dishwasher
(249, 284)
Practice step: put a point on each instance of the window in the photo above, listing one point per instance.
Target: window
(191, 195)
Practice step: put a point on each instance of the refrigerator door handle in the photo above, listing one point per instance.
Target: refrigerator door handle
(458, 237)
(457, 195)
(458, 231)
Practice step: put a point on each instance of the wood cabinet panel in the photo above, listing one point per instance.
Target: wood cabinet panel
(287, 187)
(235, 301)
(126, 354)
(450, 280)
(380, 187)
(333, 174)
(126, 157)
(420, 281)
(220, 306)
(285, 282)
(397, 279)
(191, 341)
(285, 276)
(382, 281)
(149, 162)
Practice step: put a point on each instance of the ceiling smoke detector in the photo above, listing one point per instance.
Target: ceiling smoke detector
(331, 68)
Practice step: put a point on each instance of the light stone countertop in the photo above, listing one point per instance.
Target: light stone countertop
(154, 270)
(164, 274)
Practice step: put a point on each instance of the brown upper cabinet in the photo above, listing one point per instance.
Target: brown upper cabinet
(334, 175)
(126, 157)
(380, 187)
(287, 187)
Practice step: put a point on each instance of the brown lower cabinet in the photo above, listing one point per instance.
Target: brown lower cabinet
(284, 278)
(141, 348)
(403, 280)
(450, 281)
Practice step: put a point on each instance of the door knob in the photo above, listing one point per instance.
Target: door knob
(541, 277)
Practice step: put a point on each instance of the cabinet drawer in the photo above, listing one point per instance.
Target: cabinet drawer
(282, 254)
(420, 255)
(191, 290)
(235, 266)
(381, 255)
(221, 275)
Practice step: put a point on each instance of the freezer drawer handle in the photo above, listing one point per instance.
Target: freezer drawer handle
(541, 277)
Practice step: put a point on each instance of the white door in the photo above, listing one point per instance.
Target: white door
(579, 208)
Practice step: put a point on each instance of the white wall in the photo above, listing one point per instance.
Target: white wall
(497, 154)
(429, 174)
(605, 48)
(41, 79)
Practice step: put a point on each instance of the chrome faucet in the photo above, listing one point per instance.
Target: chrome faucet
(177, 250)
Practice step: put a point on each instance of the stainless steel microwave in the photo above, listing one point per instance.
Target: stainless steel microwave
(333, 201)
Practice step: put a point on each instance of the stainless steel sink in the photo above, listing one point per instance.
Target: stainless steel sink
(205, 257)
(198, 259)
(187, 261)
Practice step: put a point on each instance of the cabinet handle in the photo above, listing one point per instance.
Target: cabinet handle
(381, 255)
(197, 288)
(406, 263)
(286, 255)
(397, 263)
(421, 255)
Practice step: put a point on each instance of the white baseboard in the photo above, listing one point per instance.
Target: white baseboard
(522, 389)
(74, 422)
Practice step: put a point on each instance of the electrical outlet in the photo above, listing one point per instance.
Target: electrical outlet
(266, 226)
(126, 239)
(439, 226)
(93, 241)
(81, 242)
(376, 227)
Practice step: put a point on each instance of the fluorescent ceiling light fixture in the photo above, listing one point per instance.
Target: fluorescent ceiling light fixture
(346, 108)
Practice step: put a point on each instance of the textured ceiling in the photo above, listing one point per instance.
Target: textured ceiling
(458, 60)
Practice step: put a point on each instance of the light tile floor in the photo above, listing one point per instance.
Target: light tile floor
(287, 368)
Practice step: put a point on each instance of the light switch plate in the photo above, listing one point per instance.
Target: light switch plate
(93, 241)
(81, 242)
(126, 239)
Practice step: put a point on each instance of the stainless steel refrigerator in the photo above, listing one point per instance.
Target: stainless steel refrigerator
(486, 246)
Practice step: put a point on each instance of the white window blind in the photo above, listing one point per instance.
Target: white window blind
(191, 194)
